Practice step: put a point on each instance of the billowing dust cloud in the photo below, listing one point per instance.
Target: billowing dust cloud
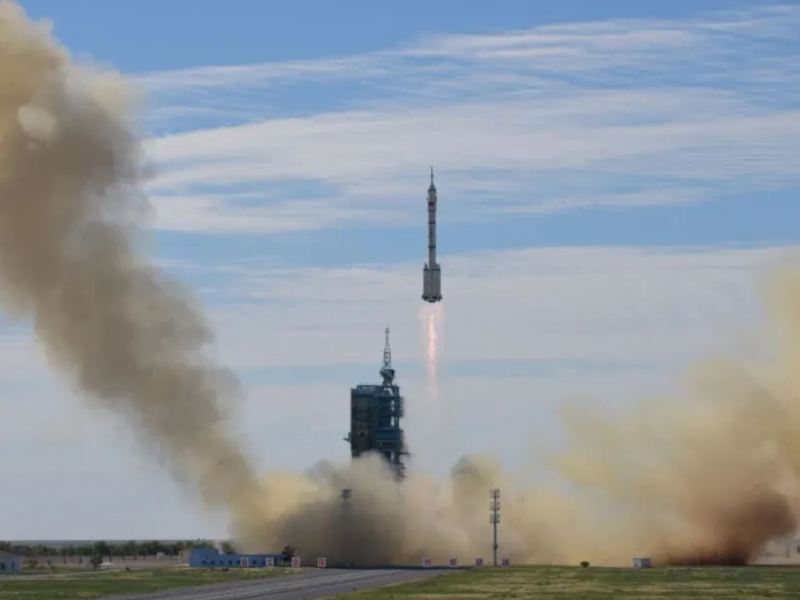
(69, 180)
(707, 477)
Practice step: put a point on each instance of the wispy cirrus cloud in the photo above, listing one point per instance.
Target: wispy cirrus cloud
(260, 73)
(607, 113)
(583, 46)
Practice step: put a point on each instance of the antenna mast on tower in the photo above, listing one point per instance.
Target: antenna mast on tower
(387, 372)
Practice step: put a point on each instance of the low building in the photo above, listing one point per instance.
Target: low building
(10, 563)
(210, 558)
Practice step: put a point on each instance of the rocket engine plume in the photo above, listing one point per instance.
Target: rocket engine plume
(432, 324)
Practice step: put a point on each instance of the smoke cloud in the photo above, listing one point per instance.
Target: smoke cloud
(709, 476)
(70, 170)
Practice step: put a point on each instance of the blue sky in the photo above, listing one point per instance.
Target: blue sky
(615, 179)
(597, 69)
(181, 33)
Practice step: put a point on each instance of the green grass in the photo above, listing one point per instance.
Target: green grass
(89, 585)
(575, 583)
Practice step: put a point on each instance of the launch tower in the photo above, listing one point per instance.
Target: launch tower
(375, 412)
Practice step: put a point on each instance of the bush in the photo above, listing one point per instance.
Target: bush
(584, 563)
(228, 548)
(287, 554)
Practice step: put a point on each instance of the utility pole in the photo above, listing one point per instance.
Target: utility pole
(346, 525)
(347, 493)
(494, 518)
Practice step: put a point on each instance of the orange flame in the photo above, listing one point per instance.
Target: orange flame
(432, 318)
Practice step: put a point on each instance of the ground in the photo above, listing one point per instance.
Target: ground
(86, 585)
(540, 583)
(561, 583)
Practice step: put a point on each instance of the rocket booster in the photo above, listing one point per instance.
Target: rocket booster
(431, 273)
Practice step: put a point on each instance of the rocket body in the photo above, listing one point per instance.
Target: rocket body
(431, 272)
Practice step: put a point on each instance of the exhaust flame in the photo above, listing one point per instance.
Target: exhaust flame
(432, 319)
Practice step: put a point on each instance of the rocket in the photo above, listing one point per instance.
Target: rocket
(431, 273)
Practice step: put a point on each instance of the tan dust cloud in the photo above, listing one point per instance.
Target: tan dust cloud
(706, 477)
(69, 193)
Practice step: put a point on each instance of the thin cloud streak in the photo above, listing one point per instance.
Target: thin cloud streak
(572, 44)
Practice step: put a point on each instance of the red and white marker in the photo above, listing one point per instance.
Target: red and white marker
(426, 563)
(453, 563)
(478, 562)
(296, 562)
(322, 562)
(506, 562)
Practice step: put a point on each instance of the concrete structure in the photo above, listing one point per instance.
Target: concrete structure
(431, 272)
(209, 558)
(375, 412)
(10, 563)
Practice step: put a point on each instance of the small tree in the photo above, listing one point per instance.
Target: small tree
(151, 548)
(227, 548)
(287, 554)
(129, 548)
(96, 561)
(102, 549)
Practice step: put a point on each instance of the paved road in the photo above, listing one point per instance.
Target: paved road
(309, 584)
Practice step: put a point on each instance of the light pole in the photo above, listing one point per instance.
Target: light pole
(494, 518)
